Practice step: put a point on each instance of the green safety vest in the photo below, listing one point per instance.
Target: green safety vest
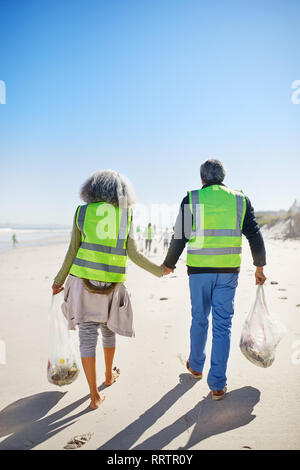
(216, 239)
(149, 233)
(102, 255)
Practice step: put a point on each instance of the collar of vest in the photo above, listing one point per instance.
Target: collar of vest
(213, 184)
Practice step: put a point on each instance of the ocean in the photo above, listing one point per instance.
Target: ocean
(32, 235)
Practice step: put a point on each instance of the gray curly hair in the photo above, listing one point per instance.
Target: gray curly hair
(212, 171)
(108, 186)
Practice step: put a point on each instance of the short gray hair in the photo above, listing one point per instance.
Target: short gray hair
(212, 171)
(108, 186)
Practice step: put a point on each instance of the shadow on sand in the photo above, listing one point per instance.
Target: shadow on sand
(129, 435)
(25, 426)
(209, 417)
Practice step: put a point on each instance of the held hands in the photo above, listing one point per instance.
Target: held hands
(56, 288)
(167, 270)
(259, 276)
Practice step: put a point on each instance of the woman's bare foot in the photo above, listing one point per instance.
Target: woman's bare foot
(96, 401)
(111, 378)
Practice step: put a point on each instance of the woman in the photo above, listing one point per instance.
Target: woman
(102, 238)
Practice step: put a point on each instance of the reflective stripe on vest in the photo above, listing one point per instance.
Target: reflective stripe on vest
(81, 217)
(216, 247)
(100, 260)
(123, 228)
(104, 248)
(102, 267)
(215, 251)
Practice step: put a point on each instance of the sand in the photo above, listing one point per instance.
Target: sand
(155, 403)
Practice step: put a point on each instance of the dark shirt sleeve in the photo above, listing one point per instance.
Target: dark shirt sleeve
(181, 235)
(252, 232)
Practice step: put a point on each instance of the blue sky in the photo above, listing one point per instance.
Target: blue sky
(150, 88)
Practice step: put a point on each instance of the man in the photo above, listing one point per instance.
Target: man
(211, 221)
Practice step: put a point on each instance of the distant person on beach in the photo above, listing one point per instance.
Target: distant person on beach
(211, 222)
(14, 239)
(95, 295)
(166, 238)
(138, 233)
(149, 238)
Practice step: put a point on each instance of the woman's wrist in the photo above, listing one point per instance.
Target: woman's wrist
(57, 288)
(58, 280)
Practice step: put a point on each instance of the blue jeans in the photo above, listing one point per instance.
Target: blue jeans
(212, 291)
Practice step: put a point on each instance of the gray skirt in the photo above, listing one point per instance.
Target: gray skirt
(81, 305)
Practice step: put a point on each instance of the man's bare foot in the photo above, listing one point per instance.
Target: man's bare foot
(111, 378)
(96, 401)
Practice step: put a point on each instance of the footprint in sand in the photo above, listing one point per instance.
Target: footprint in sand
(181, 359)
(78, 441)
(188, 422)
(28, 443)
(115, 375)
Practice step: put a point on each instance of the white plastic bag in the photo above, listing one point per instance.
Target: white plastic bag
(63, 357)
(261, 333)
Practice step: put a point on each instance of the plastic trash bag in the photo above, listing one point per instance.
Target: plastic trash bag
(261, 333)
(63, 357)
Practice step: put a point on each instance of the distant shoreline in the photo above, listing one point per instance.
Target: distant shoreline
(46, 227)
(8, 246)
